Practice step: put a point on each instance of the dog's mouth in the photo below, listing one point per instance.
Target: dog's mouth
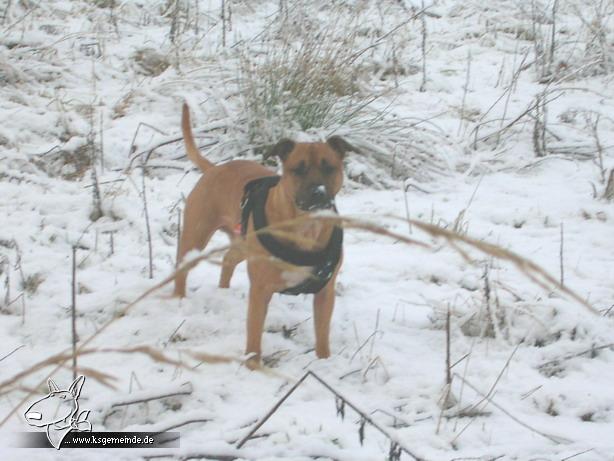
(315, 198)
(324, 204)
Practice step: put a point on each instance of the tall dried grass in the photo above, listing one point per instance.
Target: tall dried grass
(300, 83)
(461, 244)
(313, 80)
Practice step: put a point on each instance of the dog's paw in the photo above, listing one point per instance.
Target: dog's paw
(253, 362)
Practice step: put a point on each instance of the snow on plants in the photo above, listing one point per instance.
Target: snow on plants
(473, 318)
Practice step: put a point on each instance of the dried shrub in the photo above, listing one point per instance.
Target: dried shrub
(308, 81)
(302, 86)
(71, 162)
(149, 62)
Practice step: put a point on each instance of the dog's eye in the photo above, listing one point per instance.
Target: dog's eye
(327, 168)
(300, 170)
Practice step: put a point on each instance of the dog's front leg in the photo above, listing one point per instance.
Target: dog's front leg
(256, 313)
(323, 305)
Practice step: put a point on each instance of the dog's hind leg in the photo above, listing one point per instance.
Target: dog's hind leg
(232, 257)
(197, 231)
(197, 243)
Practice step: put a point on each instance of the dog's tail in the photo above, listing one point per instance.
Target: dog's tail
(190, 146)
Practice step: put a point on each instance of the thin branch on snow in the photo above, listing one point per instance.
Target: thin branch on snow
(148, 396)
(553, 438)
(395, 444)
(12, 352)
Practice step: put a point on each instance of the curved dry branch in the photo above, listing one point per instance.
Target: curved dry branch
(531, 270)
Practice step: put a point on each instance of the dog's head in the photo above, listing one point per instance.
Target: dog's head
(312, 172)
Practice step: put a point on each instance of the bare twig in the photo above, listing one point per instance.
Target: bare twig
(608, 193)
(61, 358)
(272, 410)
(395, 444)
(364, 343)
(407, 215)
(465, 88)
(5, 15)
(147, 226)
(101, 131)
(7, 280)
(177, 425)
(185, 389)
(200, 455)
(73, 312)
(387, 34)
(561, 264)
(491, 391)
(133, 145)
(553, 37)
(448, 367)
(423, 48)
(22, 18)
(539, 127)
(172, 335)
(577, 454)
(12, 352)
(591, 351)
(532, 107)
(447, 399)
(552, 438)
(111, 243)
(96, 212)
(595, 131)
(223, 18)
(178, 235)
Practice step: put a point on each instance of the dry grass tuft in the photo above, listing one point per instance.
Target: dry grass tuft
(301, 83)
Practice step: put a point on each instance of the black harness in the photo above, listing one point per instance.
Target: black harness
(324, 261)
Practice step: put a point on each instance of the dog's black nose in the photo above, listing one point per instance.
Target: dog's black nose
(318, 194)
(318, 198)
(315, 197)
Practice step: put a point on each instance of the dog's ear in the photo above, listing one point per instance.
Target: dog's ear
(340, 145)
(281, 149)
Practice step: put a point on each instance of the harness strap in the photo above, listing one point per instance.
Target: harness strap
(323, 261)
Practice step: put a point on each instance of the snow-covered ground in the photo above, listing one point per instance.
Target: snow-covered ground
(68, 72)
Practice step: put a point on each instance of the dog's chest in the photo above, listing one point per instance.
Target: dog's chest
(309, 232)
(295, 275)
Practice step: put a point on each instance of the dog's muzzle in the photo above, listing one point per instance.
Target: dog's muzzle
(316, 199)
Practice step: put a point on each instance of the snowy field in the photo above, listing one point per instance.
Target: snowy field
(511, 142)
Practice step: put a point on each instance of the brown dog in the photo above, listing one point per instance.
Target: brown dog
(312, 176)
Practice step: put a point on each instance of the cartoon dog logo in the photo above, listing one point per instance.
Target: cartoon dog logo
(58, 412)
